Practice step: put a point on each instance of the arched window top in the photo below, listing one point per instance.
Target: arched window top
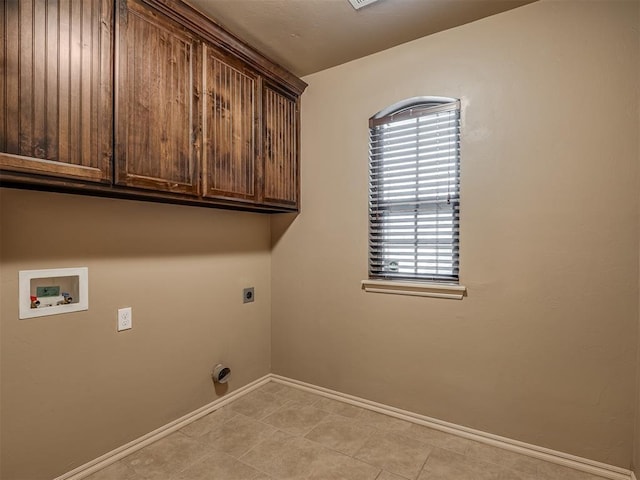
(412, 107)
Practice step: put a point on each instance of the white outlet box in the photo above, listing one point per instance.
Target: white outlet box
(124, 318)
(73, 281)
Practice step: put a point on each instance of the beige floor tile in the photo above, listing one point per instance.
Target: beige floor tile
(166, 457)
(507, 474)
(394, 453)
(336, 466)
(258, 404)
(155, 475)
(343, 434)
(219, 466)
(388, 476)
(297, 395)
(550, 471)
(383, 422)
(116, 471)
(438, 438)
(210, 422)
(296, 418)
(237, 436)
(288, 457)
(337, 408)
(504, 458)
(271, 387)
(284, 456)
(447, 465)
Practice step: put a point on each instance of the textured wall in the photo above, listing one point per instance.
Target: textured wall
(543, 349)
(636, 438)
(72, 387)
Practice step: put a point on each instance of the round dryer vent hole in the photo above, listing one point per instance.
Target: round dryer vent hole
(221, 373)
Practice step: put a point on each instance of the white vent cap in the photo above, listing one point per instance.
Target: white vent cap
(358, 4)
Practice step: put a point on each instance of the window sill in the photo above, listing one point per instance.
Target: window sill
(436, 290)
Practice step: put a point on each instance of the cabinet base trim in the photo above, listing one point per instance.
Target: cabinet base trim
(52, 184)
(37, 165)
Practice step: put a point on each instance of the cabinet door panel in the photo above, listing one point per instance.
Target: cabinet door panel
(56, 88)
(280, 144)
(230, 118)
(157, 87)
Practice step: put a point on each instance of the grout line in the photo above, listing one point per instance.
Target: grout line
(426, 460)
(257, 444)
(197, 460)
(239, 459)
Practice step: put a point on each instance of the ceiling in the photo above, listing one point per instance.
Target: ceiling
(306, 36)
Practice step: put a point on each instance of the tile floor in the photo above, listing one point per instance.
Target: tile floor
(278, 432)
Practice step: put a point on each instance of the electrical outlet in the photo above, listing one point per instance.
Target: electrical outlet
(124, 319)
(248, 295)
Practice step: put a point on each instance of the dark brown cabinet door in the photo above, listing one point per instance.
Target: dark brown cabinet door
(56, 88)
(157, 85)
(230, 118)
(280, 148)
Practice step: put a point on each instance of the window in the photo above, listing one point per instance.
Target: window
(414, 185)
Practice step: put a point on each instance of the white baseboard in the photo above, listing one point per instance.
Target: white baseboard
(560, 458)
(114, 455)
(577, 463)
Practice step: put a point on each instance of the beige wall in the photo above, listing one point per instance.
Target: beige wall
(543, 349)
(72, 387)
(636, 438)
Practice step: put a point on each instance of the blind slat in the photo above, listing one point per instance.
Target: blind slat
(423, 158)
(443, 133)
(415, 172)
(422, 146)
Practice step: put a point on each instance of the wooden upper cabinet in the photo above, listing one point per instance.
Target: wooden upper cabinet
(144, 99)
(56, 88)
(230, 105)
(280, 148)
(157, 86)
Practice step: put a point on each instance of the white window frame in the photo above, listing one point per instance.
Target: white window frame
(431, 198)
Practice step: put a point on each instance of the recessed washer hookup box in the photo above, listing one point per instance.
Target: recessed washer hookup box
(53, 291)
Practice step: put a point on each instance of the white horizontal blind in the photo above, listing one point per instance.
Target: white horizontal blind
(414, 187)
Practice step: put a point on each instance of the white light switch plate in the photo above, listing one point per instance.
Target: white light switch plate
(124, 319)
